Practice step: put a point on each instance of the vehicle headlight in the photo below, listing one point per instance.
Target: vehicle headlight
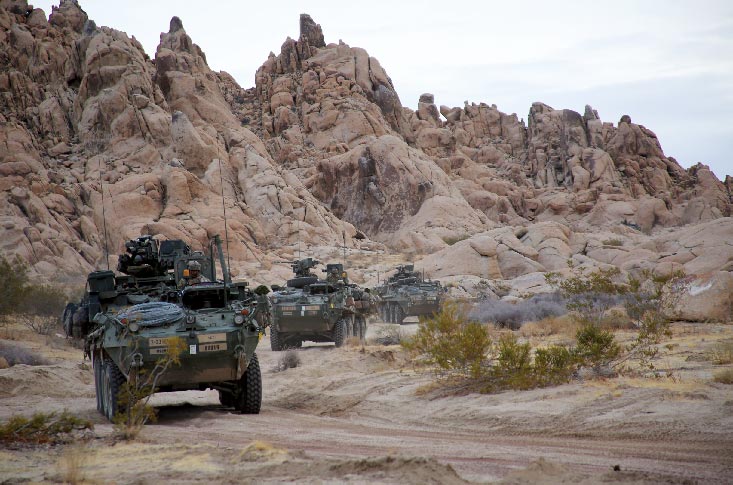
(133, 326)
(190, 319)
(239, 319)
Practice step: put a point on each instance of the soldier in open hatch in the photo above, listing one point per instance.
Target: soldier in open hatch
(194, 275)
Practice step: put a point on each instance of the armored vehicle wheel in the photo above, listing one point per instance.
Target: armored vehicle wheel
(399, 314)
(250, 389)
(351, 331)
(275, 340)
(226, 399)
(339, 332)
(113, 380)
(392, 311)
(98, 389)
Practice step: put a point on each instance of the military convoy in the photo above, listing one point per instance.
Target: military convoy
(317, 310)
(407, 293)
(136, 316)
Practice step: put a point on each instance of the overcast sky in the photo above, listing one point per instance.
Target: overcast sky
(666, 63)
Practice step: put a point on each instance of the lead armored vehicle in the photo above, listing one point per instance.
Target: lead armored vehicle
(309, 308)
(407, 293)
(216, 323)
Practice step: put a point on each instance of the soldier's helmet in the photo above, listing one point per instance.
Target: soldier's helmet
(194, 266)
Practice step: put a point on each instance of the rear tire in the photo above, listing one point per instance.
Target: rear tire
(250, 395)
(339, 332)
(275, 341)
(68, 318)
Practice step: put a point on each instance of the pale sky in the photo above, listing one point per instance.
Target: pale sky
(666, 63)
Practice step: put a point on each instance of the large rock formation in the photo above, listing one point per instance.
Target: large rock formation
(95, 134)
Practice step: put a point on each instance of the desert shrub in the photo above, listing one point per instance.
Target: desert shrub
(595, 347)
(513, 315)
(134, 396)
(613, 242)
(563, 325)
(451, 342)
(41, 428)
(554, 365)
(722, 353)
(72, 462)
(15, 354)
(723, 376)
(13, 282)
(451, 240)
(288, 360)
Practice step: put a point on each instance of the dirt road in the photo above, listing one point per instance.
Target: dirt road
(356, 414)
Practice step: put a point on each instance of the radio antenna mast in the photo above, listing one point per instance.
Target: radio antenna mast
(343, 235)
(104, 218)
(226, 230)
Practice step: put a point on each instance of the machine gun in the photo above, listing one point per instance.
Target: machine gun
(302, 269)
(145, 257)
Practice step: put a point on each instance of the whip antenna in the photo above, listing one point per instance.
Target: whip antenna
(104, 218)
(226, 230)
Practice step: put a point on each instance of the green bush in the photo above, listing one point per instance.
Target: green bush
(451, 342)
(595, 347)
(13, 285)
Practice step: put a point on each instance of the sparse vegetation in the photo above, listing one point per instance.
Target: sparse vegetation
(723, 376)
(722, 353)
(134, 397)
(71, 464)
(38, 307)
(288, 360)
(461, 348)
(41, 428)
(613, 242)
(512, 315)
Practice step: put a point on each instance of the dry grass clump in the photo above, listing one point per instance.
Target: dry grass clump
(71, 464)
(563, 325)
(723, 376)
(722, 353)
(288, 360)
(353, 342)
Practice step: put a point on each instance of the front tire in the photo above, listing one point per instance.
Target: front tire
(339, 332)
(98, 388)
(399, 315)
(113, 380)
(250, 395)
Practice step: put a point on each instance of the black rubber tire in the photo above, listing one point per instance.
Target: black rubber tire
(113, 379)
(275, 340)
(226, 399)
(339, 332)
(399, 314)
(98, 390)
(250, 395)
(391, 317)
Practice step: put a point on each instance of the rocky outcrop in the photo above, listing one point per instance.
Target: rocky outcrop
(94, 133)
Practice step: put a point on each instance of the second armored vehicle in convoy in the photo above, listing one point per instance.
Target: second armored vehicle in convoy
(407, 293)
(308, 308)
(210, 327)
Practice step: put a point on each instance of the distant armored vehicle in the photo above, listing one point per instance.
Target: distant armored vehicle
(316, 310)
(150, 271)
(407, 293)
(220, 324)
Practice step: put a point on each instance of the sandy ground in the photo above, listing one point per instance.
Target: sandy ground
(366, 415)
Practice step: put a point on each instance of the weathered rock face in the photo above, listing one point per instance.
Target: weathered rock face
(703, 298)
(320, 149)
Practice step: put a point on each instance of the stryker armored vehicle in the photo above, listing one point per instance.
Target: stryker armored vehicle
(212, 327)
(407, 293)
(148, 271)
(308, 308)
